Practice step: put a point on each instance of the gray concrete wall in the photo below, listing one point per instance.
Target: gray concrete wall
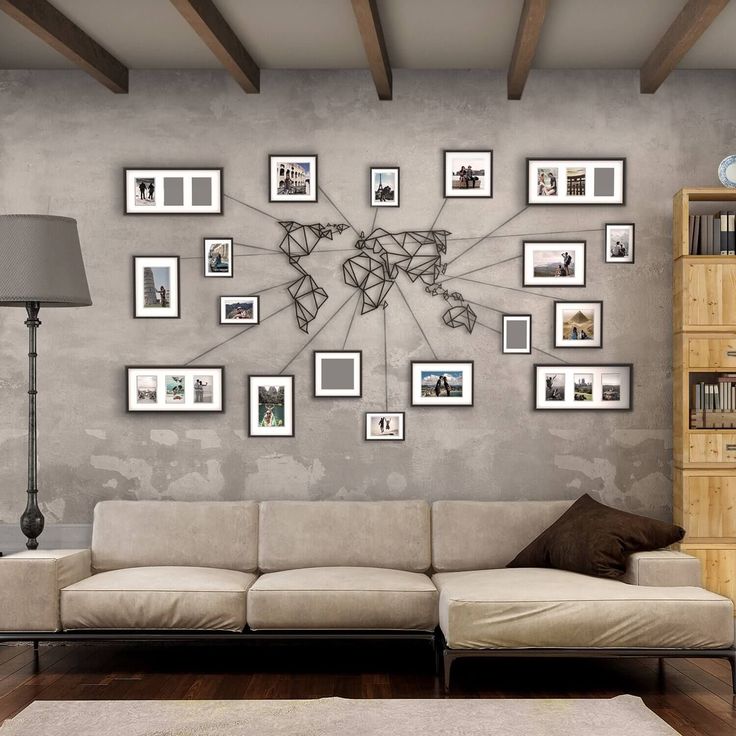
(63, 143)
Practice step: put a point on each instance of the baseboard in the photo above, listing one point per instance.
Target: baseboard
(55, 536)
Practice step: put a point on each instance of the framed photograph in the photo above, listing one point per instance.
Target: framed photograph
(338, 373)
(270, 406)
(240, 310)
(292, 178)
(384, 186)
(384, 426)
(442, 383)
(170, 388)
(156, 287)
(218, 257)
(468, 173)
(517, 333)
(620, 243)
(554, 263)
(173, 191)
(576, 181)
(578, 324)
(596, 386)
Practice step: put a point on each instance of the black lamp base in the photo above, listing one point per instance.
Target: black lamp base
(32, 521)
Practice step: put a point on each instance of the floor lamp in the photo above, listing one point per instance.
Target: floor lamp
(40, 266)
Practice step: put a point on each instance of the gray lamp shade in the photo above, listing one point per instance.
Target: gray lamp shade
(41, 261)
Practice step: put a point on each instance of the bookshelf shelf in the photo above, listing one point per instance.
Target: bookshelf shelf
(704, 353)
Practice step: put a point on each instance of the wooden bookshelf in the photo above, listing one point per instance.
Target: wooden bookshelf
(704, 342)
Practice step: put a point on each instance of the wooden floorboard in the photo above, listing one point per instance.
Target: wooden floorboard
(693, 696)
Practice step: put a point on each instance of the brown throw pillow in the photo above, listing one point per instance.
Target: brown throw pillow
(594, 539)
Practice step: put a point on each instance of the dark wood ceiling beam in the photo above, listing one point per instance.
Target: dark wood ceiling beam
(369, 25)
(527, 38)
(208, 23)
(679, 38)
(43, 20)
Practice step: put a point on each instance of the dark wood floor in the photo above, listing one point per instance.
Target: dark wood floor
(693, 696)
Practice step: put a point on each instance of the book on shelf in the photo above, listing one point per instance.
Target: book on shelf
(712, 235)
(713, 403)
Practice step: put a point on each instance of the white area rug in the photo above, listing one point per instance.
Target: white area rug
(624, 715)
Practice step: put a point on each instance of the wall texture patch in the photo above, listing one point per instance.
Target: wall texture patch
(64, 143)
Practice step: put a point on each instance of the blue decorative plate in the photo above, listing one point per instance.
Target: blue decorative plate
(727, 171)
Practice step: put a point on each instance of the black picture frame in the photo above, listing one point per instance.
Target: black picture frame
(504, 351)
(255, 298)
(582, 366)
(445, 151)
(552, 284)
(204, 258)
(606, 258)
(470, 363)
(317, 395)
(366, 438)
(178, 289)
(582, 346)
(314, 180)
(221, 199)
(397, 169)
(292, 406)
(173, 368)
(621, 159)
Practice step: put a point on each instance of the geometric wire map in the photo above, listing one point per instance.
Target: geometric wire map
(383, 255)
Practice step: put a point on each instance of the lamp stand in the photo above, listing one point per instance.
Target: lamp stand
(31, 521)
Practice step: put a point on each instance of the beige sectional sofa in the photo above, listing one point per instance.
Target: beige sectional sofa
(293, 569)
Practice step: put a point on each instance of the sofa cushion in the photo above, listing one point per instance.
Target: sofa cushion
(480, 535)
(594, 539)
(298, 534)
(221, 534)
(158, 598)
(533, 607)
(343, 598)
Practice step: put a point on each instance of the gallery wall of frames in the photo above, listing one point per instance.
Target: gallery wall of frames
(381, 259)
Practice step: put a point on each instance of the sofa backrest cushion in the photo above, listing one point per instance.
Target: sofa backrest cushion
(386, 534)
(221, 534)
(484, 535)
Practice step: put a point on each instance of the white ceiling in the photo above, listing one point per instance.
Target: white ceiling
(420, 34)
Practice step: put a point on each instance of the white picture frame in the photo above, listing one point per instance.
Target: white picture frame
(578, 324)
(338, 373)
(583, 387)
(279, 398)
(620, 242)
(293, 178)
(385, 186)
(546, 264)
(576, 181)
(385, 426)
(516, 334)
(168, 191)
(156, 287)
(240, 310)
(457, 183)
(218, 256)
(429, 389)
(175, 389)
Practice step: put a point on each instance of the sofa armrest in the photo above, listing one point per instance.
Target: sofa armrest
(662, 568)
(30, 583)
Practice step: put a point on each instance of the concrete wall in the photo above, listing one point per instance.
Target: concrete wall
(63, 143)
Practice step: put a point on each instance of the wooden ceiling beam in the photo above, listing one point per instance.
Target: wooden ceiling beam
(692, 21)
(42, 19)
(369, 25)
(208, 23)
(527, 38)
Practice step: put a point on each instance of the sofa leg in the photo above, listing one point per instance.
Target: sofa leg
(732, 662)
(35, 646)
(448, 658)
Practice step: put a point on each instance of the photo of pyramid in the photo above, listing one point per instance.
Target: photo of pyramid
(578, 324)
